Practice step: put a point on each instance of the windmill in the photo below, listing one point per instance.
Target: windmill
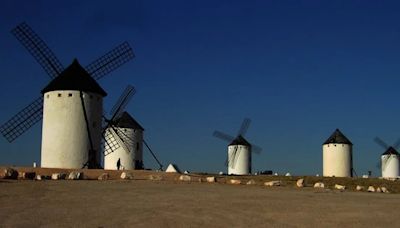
(389, 159)
(123, 137)
(239, 150)
(70, 106)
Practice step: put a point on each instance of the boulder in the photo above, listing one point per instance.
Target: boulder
(300, 183)
(58, 176)
(360, 188)
(103, 176)
(365, 176)
(371, 189)
(211, 179)
(251, 182)
(385, 190)
(275, 174)
(126, 176)
(155, 177)
(319, 185)
(288, 175)
(10, 173)
(221, 173)
(378, 189)
(272, 183)
(27, 175)
(234, 181)
(185, 178)
(340, 187)
(38, 177)
(75, 175)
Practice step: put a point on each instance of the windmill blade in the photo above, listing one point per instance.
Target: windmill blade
(396, 144)
(256, 149)
(223, 136)
(231, 157)
(110, 142)
(124, 140)
(245, 126)
(110, 61)
(235, 156)
(38, 49)
(386, 160)
(381, 143)
(152, 154)
(23, 120)
(123, 100)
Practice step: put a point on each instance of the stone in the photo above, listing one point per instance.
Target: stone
(211, 179)
(155, 177)
(126, 176)
(360, 188)
(272, 183)
(371, 189)
(10, 173)
(385, 190)
(251, 182)
(288, 175)
(340, 187)
(186, 172)
(75, 175)
(319, 185)
(234, 181)
(365, 176)
(28, 175)
(103, 176)
(38, 177)
(185, 178)
(378, 189)
(275, 174)
(56, 176)
(221, 173)
(300, 183)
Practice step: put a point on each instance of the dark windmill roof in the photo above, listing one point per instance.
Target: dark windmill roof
(240, 141)
(338, 137)
(74, 77)
(127, 121)
(390, 151)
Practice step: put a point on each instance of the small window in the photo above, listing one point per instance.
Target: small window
(59, 95)
(48, 96)
(137, 146)
(70, 94)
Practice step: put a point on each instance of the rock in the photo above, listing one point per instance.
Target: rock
(317, 175)
(103, 176)
(371, 189)
(234, 181)
(200, 180)
(275, 174)
(385, 190)
(185, 178)
(365, 176)
(58, 176)
(75, 175)
(126, 176)
(378, 189)
(360, 188)
(251, 182)
(288, 175)
(27, 175)
(38, 177)
(272, 183)
(340, 187)
(319, 185)
(10, 173)
(221, 173)
(300, 183)
(211, 179)
(155, 177)
(186, 172)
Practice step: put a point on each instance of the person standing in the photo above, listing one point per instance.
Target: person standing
(119, 163)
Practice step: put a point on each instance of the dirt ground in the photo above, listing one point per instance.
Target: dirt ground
(145, 203)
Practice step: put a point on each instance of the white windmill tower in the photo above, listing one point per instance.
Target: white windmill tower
(71, 105)
(389, 163)
(123, 137)
(337, 156)
(239, 150)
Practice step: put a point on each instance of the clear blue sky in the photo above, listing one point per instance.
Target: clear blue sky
(298, 69)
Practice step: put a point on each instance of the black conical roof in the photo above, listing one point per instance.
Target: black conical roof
(390, 151)
(74, 77)
(127, 121)
(239, 141)
(338, 137)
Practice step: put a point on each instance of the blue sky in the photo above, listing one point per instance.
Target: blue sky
(298, 69)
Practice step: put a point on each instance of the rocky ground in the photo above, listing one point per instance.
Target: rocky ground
(155, 199)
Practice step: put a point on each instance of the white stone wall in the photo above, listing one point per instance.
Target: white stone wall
(242, 164)
(128, 157)
(65, 141)
(390, 166)
(337, 160)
